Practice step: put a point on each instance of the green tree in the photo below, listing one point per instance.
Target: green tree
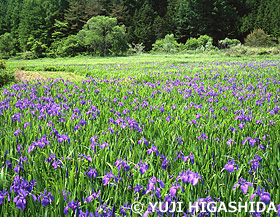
(119, 11)
(143, 21)
(102, 36)
(75, 16)
(31, 23)
(7, 47)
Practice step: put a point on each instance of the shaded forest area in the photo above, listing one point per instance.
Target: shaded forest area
(42, 23)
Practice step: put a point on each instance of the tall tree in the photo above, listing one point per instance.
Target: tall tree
(75, 16)
(143, 26)
(216, 18)
(119, 11)
(32, 24)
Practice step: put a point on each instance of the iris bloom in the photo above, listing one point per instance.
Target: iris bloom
(230, 166)
(265, 196)
(47, 198)
(243, 184)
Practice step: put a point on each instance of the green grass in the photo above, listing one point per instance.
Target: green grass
(166, 94)
(77, 68)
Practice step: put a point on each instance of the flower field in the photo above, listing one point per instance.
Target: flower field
(185, 132)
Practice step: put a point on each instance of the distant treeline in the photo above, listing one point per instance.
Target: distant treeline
(48, 21)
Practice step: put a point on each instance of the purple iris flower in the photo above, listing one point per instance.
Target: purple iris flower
(143, 167)
(122, 163)
(124, 208)
(255, 163)
(243, 184)
(92, 196)
(47, 198)
(138, 188)
(278, 209)
(107, 177)
(202, 137)
(91, 173)
(105, 144)
(230, 166)
(82, 122)
(153, 149)
(72, 205)
(20, 199)
(189, 176)
(265, 196)
(164, 162)
(3, 194)
(230, 141)
(17, 132)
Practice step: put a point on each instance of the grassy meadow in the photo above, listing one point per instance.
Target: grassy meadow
(90, 136)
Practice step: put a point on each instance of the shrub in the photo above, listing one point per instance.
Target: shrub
(204, 39)
(28, 55)
(6, 76)
(228, 43)
(200, 43)
(37, 49)
(257, 38)
(275, 50)
(167, 45)
(263, 51)
(69, 46)
(192, 44)
(136, 48)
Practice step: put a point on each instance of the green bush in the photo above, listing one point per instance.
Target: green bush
(28, 55)
(257, 38)
(192, 44)
(38, 49)
(240, 50)
(136, 48)
(228, 43)
(204, 39)
(6, 76)
(66, 47)
(275, 50)
(204, 42)
(2, 65)
(167, 45)
(263, 51)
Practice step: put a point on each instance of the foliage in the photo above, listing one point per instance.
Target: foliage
(192, 44)
(7, 48)
(146, 21)
(143, 29)
(257, 38)
(167, 45)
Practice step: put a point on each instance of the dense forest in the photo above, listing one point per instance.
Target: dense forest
(45, 22)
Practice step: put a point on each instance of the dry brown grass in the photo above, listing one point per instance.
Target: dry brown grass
(24, 75)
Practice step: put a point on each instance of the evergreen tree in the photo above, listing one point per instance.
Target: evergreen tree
(143, 26)
(119, 11)
(75, 16)
(32, 24)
